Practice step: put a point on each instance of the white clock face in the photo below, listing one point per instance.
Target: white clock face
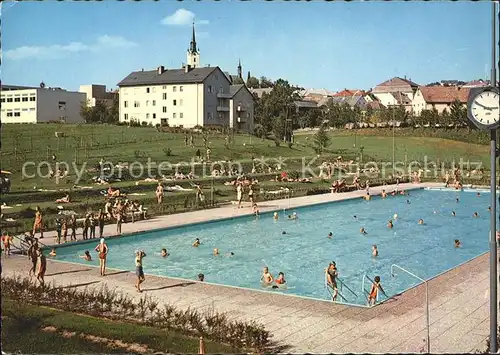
(485, 108)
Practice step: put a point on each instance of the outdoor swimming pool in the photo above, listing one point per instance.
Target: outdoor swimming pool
(305, 251)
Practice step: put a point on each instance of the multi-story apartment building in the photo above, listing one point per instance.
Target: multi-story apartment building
(188, 97)
(23, 104)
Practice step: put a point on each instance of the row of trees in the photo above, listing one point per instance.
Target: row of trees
(276, 113)
(101, 112)
(254, 83)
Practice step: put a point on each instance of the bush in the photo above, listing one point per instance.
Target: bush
(167, 151)
(111, 304)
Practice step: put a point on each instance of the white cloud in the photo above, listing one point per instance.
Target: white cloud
(57, 50)
(182, 17)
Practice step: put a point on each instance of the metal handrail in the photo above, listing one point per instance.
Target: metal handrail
(327, 286)
(365, 276)
(24, 244)
(342, 283)
(426, 300)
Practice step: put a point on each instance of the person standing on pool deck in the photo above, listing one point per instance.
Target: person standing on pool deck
(119, 221)
(102, 249)
(73, 227)
(32, 255)
(38, 224)
(42, 266)
(139, 255)
(239, 194)
(331, 279)
(159, 192)
(372, 296)
(100, 222)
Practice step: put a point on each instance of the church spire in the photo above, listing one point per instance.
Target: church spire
(240, 75)
(192, 47)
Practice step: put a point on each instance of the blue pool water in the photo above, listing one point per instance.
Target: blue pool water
(305, 251)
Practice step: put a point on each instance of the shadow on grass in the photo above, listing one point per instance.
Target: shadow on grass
(182, 284)
(68, 272)
(79, 285)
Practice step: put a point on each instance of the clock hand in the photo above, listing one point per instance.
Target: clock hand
(487, 108)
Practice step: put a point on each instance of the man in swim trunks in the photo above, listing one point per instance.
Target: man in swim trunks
(139, 255)
(196, 242)
(42, 266)
(33, 255)
(102, 249)
(458, 244)
(374, 250)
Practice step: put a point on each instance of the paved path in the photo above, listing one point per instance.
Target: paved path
(458, 302)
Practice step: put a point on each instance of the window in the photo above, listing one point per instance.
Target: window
(32, 109)
(62, 105)
(154, 102)
(17, 114)
(164, 96)
(9, 99)
(174, 89)
(181, 115)
(32, 99)
(17, 99)
(147, 90)
(220, 115)
(154, 89)
(25, 99)
(154, 115)
(125, 103)
(175, 102)
(194, 59)
(181, 88)
(9, 114)
(147, 103)
(210, 88)
(24, 109)
(181, 101)
(147, 115)
(2, 100)
(173, 115)
(125, 117)
(164, 87)
(136, 104)
(164, 109)
(210, 116)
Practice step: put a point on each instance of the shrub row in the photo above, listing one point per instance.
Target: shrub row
(148, 311)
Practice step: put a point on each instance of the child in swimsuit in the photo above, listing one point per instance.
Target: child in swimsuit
(266, 278)
(372, 297)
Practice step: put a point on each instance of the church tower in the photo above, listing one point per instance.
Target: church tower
(193, 55)
(240, 75)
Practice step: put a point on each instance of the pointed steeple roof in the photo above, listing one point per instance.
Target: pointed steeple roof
(192, 47)
(239, 63)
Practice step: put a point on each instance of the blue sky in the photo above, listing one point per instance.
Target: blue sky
(333, 45)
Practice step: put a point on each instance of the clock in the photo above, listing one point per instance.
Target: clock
(483, 108)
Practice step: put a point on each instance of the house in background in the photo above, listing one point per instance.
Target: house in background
(396, 92)
(29, 104)
(260, 91)
(438, 97)
(315, 95)
(476, 84)
(187, 97)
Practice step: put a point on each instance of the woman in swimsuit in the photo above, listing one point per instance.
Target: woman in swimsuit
(38, 222)
(331, 279)
(42, 266)
(139, 254)
(102, 249)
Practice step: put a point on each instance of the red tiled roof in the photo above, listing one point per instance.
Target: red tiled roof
(395, 84)
(347, 92)
(444, 94)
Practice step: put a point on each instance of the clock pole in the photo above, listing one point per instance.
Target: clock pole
(493, 243)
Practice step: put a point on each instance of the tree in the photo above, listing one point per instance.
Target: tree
(321, 139)
(458, 114)
(312, 118)
(265, 82)
(259, 131)
(114, 111)
(237, 81)
(86, 111)
(279, 127)
(253, 82)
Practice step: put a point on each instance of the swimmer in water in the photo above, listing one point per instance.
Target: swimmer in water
(384, 194)
(196, 242)
(216, 251)
(478, 194)
(389, 224)
(475, 215)
(293, 216)
(53, 252)
(201, 277)
(395, 216)
(330, 235)
(283, 232)
(374, 250)
(457, 243)
(229, 254)
(164, 253)
(266, 277)
(420, 221)
(280, 280)
(453, 213)
(458, 200)
(367, 197)
(362, 231)
(355, 217)
(489, 208)
(275, 216)
(408, 202)
(86, 256)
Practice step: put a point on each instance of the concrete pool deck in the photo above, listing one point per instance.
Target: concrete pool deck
(459, 301)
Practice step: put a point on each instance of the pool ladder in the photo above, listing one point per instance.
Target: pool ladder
(340, 289)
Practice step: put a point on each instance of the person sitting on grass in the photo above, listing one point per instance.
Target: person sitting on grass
(65, 199)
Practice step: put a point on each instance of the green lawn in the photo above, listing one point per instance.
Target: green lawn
(22, 326)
